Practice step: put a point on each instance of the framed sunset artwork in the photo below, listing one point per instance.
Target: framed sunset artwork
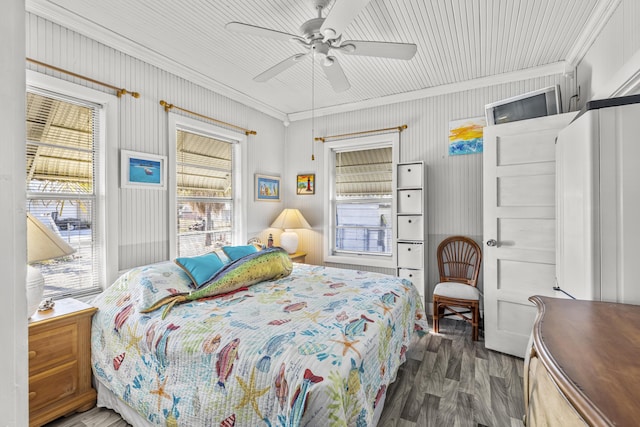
(466, 136)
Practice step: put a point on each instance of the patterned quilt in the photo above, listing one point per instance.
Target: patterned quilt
(318, 347)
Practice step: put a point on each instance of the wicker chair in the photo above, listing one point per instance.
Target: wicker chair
(459, 260)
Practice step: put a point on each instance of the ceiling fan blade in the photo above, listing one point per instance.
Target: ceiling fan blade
(381, 49)
(341, 15)
(260, 31)
(335, 75)
(279, 67)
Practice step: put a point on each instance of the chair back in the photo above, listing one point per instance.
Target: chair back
(459, 260)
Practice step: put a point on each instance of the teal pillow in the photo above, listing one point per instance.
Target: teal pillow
(236, 252)
(200, 268)
(223, 257)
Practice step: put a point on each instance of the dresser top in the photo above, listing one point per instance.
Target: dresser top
(592, 351)
(62, 308)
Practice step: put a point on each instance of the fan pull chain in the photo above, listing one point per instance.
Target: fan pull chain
(313, 102)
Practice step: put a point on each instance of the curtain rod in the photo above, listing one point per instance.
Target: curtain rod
(168, 107)
(119, 91)
(344, 135)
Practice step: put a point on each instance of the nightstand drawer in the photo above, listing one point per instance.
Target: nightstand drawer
(52, 346)
(60, 361)
(53, 386)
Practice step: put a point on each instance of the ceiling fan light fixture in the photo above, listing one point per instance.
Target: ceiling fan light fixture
(328, 61)
(329, 33)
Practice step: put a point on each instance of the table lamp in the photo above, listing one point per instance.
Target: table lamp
(288, 220)
(42, 244)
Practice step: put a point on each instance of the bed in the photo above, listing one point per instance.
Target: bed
(318, 347)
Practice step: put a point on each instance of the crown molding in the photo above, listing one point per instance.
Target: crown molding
(597, 21)
(529, 73)
(72, 21)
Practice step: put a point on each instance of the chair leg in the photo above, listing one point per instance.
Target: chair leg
(475, 310)
(436, 317)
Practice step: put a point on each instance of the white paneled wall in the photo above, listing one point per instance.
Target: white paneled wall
(614, 56)
(144, 218)
(454, 200)
(454, 184)
(632, 29)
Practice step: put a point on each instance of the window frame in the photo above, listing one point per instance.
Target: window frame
(105, 169)
(355, 144)
(239, 204)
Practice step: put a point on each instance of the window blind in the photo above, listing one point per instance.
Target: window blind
(62, 135)
(363, 197)
(204, 182)
(364, 173)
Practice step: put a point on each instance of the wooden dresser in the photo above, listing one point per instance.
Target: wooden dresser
(583, 364)
(60, 361)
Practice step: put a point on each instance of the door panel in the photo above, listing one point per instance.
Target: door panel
(531, 277)
(515, 319)
(526, 233)
(519, 214)
(525, 149)
(531, 190)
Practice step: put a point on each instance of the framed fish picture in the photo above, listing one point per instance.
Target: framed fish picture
(466, 136)
(142, 170)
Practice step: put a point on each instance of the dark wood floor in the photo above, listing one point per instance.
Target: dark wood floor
(448, 380)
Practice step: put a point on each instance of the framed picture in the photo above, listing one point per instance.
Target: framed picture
(306, 184)
(142, 170)
(267, 188)
(465, 136)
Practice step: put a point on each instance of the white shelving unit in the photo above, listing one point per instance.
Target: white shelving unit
(411, 224)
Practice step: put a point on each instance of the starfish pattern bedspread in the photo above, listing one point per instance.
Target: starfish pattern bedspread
(318, 347)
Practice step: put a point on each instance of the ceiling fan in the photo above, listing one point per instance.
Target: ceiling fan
(321, 36)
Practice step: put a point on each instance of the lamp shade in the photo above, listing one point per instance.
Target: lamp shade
(290, 219)
(43, 243)
(287, 220)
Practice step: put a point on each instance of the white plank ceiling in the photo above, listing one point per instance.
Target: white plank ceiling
(458, 41)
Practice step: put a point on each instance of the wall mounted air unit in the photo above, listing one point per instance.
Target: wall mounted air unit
(539, 103)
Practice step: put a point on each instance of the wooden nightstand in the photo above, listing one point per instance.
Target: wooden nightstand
(298, 256)
(60, 361)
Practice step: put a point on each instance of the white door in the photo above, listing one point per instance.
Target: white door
(519, 226)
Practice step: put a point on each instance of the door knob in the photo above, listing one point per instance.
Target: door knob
(492, 242)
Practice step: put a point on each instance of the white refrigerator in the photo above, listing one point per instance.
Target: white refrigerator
(598, 202)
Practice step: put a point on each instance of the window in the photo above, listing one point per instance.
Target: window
(206, 169)
(62, 158)
(204, 188)
(361, 204)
